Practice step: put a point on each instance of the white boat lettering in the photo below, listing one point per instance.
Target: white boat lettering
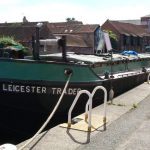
(23, 88)
(69, 91)
(37, 89)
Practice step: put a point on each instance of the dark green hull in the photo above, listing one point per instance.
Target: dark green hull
(29, 90)
(22, 112)
(37, 85)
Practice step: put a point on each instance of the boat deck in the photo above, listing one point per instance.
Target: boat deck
(90, 59)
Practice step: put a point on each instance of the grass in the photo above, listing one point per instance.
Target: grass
(134, 105)
(111, 103)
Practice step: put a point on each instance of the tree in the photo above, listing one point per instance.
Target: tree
(70, 19)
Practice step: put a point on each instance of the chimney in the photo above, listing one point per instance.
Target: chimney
(25, 19)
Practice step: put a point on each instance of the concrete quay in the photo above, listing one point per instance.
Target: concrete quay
(128, 127)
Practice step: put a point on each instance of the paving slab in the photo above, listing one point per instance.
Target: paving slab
(139, 140)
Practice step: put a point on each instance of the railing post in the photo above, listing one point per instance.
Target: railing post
(105, 103)
(73, 104)
(148, 76)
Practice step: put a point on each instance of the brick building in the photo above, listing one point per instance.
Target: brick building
(131, 34)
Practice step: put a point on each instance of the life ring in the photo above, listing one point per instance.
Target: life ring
(8, 147)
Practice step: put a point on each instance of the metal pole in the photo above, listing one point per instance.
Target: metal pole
(64, 48)
(88, 106)
(33, 47)
(111, 92)
(62, 45)
(148, 78)
(36, 54)
(111, 69)
(73, 104)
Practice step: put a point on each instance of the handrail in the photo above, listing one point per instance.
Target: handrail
(129, 74)
(50, 116)
(73, 104)
(105, 102)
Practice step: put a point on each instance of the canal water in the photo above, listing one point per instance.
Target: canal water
(27, 125)
(17, 127)
(25, 130)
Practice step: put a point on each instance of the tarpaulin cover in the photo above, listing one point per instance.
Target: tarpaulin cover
(130, 52)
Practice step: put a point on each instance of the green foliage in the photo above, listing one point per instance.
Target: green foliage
(7, 41)
(113, 38)
(112, 35)
(134, 105)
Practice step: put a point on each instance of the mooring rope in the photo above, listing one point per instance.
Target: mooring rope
(50, 116)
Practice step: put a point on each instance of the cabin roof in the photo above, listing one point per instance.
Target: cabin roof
(75, 41)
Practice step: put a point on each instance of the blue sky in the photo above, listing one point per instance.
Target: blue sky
(88, 11)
